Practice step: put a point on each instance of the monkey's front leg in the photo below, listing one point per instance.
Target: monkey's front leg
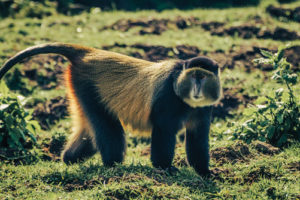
(162, 147)
(197, 137)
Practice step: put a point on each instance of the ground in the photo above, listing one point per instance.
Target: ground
(231, 36)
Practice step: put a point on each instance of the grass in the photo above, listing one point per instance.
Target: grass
(252, 176)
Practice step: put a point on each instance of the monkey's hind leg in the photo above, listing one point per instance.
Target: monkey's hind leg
(107, 129)
(79, 147)
(81, 143)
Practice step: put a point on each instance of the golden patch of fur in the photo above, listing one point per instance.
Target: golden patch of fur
(125, 84)
(80, 123)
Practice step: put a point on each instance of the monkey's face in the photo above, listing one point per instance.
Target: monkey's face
(198, 87)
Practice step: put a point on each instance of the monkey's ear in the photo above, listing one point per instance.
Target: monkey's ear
(203, 62)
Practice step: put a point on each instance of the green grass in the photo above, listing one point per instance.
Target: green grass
(258, 176)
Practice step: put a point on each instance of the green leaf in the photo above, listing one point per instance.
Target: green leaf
(279, 92)
(280, 55)
(270, 131)
(262, 108)
(14, 139)
(266, 53)
(35, 125)
(280, 118)
(282, 140)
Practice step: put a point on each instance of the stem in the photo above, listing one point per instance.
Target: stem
(291, 93)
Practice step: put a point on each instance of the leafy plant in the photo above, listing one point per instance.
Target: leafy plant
(17, 128)
(277, 120)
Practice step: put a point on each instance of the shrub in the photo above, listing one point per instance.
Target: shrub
(277, 121)
(17, 128)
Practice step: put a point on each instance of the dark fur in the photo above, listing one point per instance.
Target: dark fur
(169, 114)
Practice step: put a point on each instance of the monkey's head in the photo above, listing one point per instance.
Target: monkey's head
(198, 83)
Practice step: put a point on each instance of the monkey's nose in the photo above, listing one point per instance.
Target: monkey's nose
(197, 96)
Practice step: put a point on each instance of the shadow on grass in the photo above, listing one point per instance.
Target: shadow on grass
(93, 175)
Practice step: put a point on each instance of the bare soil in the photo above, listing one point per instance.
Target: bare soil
(291, 14)
(265, 148)
(152, 25)
(49, 112)
(232, 154)
(157, 53)
(259, 172)
(247, 31)
(45, 70)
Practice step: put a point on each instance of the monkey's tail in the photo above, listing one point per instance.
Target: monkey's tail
(70, 51)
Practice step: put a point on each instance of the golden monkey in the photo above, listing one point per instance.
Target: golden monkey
(109, 91)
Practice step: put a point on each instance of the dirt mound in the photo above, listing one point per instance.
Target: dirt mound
(45, 70)
(152, 52)
(228, 103)
(223, 175)
(152, 25)
(213, 25)
(52, 147)
(265, 148)
(279, 34)
(257, 173)
(291, 14)
(243, 31)
(224, 59)
(245, 56)
(247, 31)
(49, 112)
(156, 52)
(292, 55)
(232, 98)
(82, 185)
(237, 153)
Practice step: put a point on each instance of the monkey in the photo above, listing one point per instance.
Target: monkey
(109, 92)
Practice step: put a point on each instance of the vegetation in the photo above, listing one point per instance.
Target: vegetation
(232, 36)
(17, 129)
(278, 120)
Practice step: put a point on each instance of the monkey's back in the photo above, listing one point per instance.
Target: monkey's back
(125, 84)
